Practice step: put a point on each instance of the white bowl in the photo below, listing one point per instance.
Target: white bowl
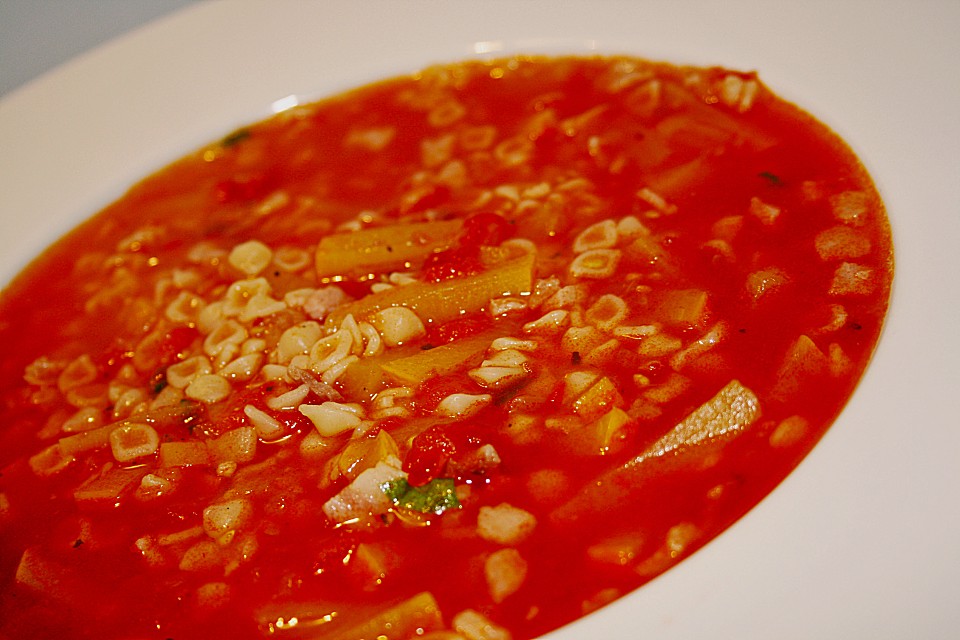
(862, 539)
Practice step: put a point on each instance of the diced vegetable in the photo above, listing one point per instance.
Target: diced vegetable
(680, 307)
(803, 362)
(440, 302)
(86, 440)
(598, 399)
(382, 249)
(476, 626)
(505, 571)
(184, 454)
(370, 564)
(618, 550)
(789, 432)
(366, 495)
(673, 180)
(57, 580)
(408, 619)
(365, 453)
(236, 445)
(364, 378)
(110, 485)
(224, 517)
(608, 431)
(728, 413)
(676, 543)
(181, 414)
(648, 250)
(438, 361)
(505, 524)
(733, 409)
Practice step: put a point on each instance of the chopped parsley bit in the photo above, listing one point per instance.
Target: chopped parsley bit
(772, 178)
(436, 496)
(236, 137)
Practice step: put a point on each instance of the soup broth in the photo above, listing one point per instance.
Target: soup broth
(465, 354)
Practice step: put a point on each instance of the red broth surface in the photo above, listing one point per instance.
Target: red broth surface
(467, 354)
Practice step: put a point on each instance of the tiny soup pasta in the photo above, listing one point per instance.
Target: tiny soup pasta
(466, 354)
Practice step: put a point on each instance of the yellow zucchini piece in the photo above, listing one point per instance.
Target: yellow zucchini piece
(696, 438)
(672, 181)
(803, 362)
(363, 379)
(648, 250)
(236, 445)
(603, 436)
(609, 429)
(408, 619)
(731, 410)
(183, 454)
(86, 440)
(364, 453)
(383, 248)
(438, 361)
(181, 413)
(370, 565)
(441, 302)
(681, 307)
(598, 399)
(109, 486)
(618, 550)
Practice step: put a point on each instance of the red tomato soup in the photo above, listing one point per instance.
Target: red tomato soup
(461, 355)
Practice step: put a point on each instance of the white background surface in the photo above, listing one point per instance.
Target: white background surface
(38, 35)
(863, 541)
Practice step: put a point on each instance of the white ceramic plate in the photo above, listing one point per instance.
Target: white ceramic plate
(863, 540)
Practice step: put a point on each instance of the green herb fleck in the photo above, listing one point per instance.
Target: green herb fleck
(394, 489)
(772, 178)
(236, 137)
(436, 496)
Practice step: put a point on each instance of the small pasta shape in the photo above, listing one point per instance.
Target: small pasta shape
(181, 374)
(243, 368)
(79, 372)
(250, 257)
(241, 292)
(398, 325)
(230, 333)
(132, 441)
(185, 308)
(208, 388)
(297, 340)
(268, 427)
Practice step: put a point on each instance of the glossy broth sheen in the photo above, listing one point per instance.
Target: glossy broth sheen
(470, 352)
